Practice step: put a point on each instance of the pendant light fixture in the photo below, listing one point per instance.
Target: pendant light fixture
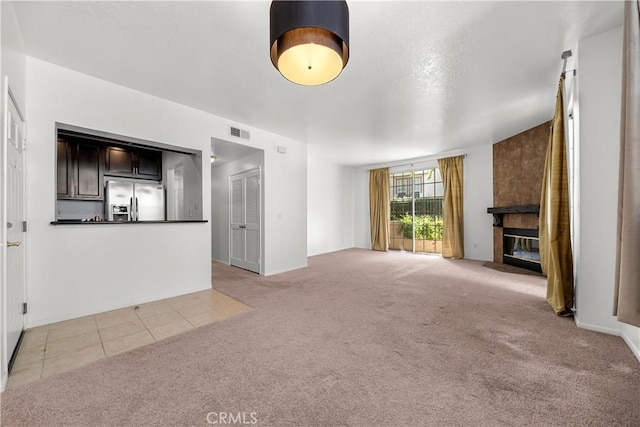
(309, 40)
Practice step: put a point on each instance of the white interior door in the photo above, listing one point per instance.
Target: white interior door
(175, 192)
(15, 282)
(245, 220)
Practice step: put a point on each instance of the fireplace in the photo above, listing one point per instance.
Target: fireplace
(515, 236)
(518, 165)
(521, 248)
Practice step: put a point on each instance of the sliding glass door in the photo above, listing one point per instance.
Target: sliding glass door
(416, 210)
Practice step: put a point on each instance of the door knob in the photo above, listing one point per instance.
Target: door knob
(13, 244)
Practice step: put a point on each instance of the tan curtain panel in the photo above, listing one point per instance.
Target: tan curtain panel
(452, 209)
(379, 208)
(627, 286)
(555, 234)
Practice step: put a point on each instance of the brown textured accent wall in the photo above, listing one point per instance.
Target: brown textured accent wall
(518, 163)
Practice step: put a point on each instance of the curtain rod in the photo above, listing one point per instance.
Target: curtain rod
(565, 55)
(418, 160)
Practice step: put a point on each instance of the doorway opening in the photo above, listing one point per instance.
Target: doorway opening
(231, 160)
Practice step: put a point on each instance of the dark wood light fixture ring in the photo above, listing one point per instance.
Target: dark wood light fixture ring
(309, 35)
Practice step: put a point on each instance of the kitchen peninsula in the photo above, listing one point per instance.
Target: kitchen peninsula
(89, 222)
(111, 179)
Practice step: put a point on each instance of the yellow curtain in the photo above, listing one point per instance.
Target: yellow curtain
(555, 239)
(627, 290)
(452, 209)
(379, 208)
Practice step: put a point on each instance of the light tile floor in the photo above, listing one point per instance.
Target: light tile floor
(58, 347)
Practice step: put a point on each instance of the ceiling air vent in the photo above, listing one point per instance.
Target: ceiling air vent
(240, 133)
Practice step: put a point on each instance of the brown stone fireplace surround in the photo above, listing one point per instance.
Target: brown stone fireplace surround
(518, 164)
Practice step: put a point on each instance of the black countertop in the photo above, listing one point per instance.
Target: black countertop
(87, 222)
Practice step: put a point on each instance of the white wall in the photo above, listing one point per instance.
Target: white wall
(478, 196)
(362, 225)
(220, 203)
(78, 270)
(13, 58)
(330, 206)
(599, 86)
(12, 66)
(285, 206)
(599, 97)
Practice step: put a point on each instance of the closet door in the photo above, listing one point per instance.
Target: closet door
(245, 220)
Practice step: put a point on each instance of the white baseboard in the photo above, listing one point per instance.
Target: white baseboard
(635, 349)
(597, 328)
(270, 273)
(328, 251)
(273, 273)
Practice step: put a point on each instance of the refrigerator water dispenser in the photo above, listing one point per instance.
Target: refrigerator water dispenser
(119, 213)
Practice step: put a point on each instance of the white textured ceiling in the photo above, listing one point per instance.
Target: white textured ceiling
(422, 78)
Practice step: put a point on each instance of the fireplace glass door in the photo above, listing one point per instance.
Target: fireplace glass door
(522, 248)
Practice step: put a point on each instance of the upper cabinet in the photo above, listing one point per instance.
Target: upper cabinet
(64, 181)
(134, 163)
(119, 161)
(149, 164)
(80, 170)
(83, 164)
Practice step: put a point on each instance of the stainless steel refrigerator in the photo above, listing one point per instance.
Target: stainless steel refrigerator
(134, 201)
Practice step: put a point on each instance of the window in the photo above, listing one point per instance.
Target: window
(418, 189)
(416, 217)
(401, 185)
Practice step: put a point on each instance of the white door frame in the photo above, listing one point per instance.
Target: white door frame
(7, 97)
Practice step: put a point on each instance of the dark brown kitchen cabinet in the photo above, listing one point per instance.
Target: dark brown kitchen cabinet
(149, 164)
(80, 171)
(119, 161)
(64, 169)
(134, 163)
(88, 172)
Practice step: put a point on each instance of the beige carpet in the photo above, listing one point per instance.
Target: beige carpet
(359, 338)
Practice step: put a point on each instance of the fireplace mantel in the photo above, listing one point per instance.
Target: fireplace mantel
(498, 212)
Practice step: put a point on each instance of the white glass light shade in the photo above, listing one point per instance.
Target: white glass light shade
(310, 64)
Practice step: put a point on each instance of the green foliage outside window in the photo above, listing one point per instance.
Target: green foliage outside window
(423, 206)
(428, 227)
